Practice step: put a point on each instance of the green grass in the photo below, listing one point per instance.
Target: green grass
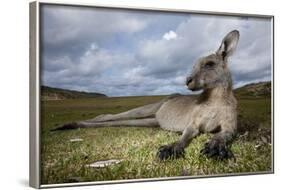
(64, 161)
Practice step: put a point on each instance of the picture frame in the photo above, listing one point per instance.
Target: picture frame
(38, 64)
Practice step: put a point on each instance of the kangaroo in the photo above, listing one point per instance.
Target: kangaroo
(213, 111)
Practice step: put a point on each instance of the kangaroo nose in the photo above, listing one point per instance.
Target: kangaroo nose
(188, 80)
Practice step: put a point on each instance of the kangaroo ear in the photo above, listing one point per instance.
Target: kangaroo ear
(228, 44)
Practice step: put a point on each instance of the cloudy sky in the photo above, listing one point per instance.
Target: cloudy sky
(127, 53)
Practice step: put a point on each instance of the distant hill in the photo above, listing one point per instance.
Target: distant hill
(260, 89)
(50, 93)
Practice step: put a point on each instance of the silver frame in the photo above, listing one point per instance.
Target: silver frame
(34, 93)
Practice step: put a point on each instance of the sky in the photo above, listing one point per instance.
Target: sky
(130, 53)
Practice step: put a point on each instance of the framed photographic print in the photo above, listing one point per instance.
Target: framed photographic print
(132, 94)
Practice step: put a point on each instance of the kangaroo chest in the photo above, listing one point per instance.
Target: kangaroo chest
(208, 118)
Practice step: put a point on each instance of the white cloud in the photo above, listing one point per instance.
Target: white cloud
(72, 24)
(57, 64)
(157, 64)
(170, 35)
(177, 57)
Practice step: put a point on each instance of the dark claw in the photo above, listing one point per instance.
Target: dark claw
(173, 151)
(217, 149)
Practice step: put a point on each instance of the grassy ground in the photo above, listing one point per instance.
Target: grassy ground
(64, 161)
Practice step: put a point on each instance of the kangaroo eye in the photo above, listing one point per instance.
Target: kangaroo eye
(209, 64)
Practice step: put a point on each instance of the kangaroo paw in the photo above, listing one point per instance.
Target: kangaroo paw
(172, 151)
(67, 126)
(217, 149)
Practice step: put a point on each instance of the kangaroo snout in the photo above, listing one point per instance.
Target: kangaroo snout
(188, 80)
(190, 83)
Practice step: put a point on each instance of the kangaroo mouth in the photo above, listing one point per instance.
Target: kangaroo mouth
(194, 89)
(191, 86)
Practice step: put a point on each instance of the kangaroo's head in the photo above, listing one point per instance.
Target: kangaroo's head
(212, 71)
